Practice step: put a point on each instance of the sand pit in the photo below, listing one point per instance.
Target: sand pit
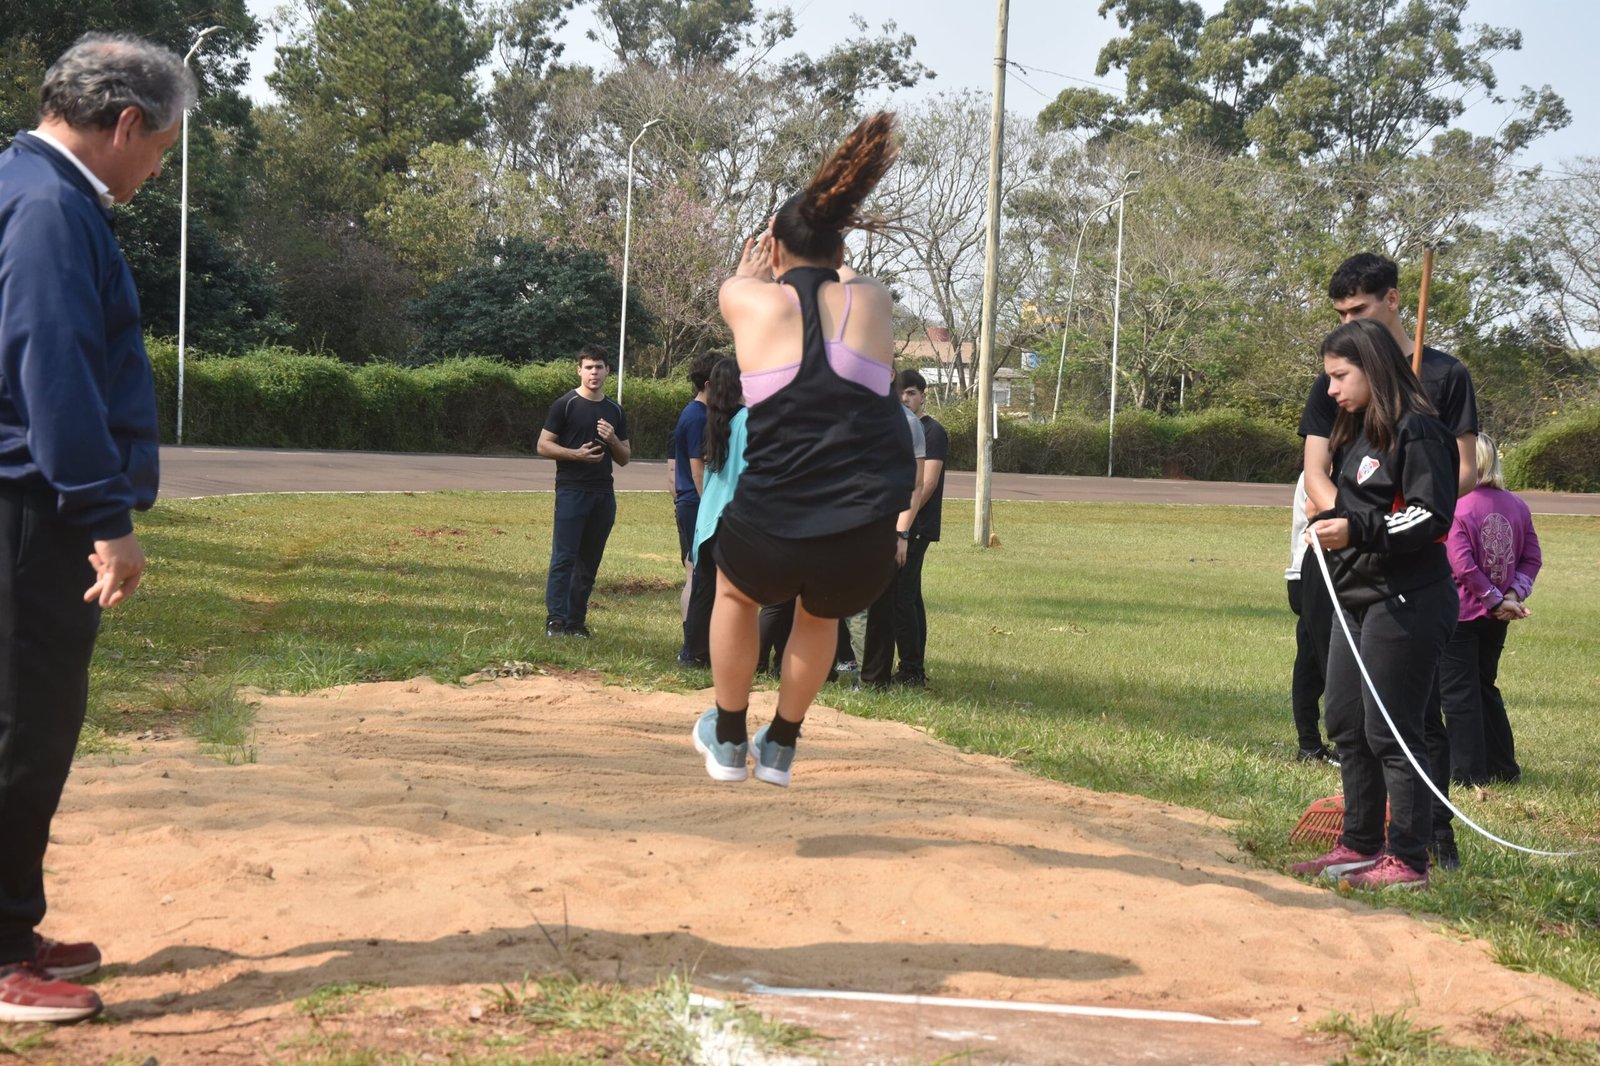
(439, 840)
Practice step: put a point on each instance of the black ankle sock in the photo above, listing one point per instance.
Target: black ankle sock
(730, 727)
(782, 731)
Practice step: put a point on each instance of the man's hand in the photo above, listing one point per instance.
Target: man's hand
(900, 551)
(606, 431)
(592, 452)
(118, 565)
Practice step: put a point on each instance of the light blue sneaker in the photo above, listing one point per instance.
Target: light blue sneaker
(772, 760)
(724, 762)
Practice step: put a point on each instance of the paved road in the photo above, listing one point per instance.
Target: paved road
(193, 472)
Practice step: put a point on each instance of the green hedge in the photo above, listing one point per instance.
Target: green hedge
(1214, 446)
(1563, 456)
(276, 398)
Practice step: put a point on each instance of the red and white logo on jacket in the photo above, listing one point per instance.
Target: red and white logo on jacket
(1368, 467)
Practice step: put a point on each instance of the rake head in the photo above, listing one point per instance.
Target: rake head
(1324, 821)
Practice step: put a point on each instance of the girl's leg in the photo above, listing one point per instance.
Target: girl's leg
(1500, 747)
(1359, 769)
(734, 640)
(1401, 643)
(1463, 705)
(806, 662)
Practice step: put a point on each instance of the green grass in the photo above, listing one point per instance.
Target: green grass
(1141, 649)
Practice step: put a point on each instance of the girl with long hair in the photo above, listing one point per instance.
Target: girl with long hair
(1395, 468)
(829, 464)
(723, 446)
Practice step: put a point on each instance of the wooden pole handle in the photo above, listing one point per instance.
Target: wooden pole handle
(1422, 311)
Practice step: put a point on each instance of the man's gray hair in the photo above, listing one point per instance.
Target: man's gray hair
(103, 73)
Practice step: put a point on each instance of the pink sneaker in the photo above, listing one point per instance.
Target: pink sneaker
(1388, 872)
(63, 960)
(28, 994)
(1337, 862)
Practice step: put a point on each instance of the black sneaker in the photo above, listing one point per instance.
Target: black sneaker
(1320, 753)
(554, 629)
(579, 630)
(1443, 854)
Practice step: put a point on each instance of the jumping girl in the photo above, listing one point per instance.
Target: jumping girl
(829, 463)
(1395, 467)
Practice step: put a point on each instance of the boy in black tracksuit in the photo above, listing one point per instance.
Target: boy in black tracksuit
(1394, 586)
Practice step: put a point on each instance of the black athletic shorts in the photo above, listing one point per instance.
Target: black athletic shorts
(687, 513)
(834, 576)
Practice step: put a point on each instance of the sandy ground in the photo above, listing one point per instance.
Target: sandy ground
(440, 840)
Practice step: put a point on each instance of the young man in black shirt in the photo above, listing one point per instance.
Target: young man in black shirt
(585, 432)
(910, 614)
(1366, 286)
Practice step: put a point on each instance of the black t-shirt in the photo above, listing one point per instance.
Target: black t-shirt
(1444, 379)
(573, 420)
(926, 524)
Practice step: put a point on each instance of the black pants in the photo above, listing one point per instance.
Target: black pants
(1305, 686)
(877, 652)
(910, 614)
(1400, 640)
(1317, 610)
(47, 636)
(577, 544)
(1481, 746)
(702, 594)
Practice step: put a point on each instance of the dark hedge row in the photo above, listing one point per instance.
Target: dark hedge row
(1212, 446)
(1563, 456)
(283, 399)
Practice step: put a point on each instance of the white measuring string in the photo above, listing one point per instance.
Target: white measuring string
(1327, 579)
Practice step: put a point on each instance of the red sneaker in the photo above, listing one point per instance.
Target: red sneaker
(65, 960)
(28, 994)
(1339, 861)
(1388, 872)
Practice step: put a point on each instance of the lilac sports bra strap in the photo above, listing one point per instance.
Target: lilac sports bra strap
(849, 295)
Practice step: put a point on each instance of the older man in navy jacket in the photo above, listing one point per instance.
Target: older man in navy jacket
(77, 456)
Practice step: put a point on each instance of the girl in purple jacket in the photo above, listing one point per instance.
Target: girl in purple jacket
(1494, 555)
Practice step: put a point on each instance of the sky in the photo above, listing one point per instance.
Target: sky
(1056, 42)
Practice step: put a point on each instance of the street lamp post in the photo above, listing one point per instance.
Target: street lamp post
(627, 244)
(1072, 288)
(1116, 322)
(183, 233)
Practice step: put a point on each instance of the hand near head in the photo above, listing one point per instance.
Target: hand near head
(118, 565)
(756, 259)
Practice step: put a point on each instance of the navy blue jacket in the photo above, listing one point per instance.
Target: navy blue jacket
(77, 400)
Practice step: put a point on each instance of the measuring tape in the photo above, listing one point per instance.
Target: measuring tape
(1327, 579)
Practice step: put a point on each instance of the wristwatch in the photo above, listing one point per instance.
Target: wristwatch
(903, 534)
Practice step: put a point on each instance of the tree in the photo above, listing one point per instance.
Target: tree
(935, 194)
(526, 302)
(453, 199)
(687, 33)
(389, 76)
(1345, 82)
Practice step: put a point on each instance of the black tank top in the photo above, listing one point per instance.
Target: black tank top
(824, 454)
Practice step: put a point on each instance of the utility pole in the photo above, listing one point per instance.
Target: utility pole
(982, 504)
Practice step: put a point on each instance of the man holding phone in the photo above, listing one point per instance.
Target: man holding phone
(585, 432)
